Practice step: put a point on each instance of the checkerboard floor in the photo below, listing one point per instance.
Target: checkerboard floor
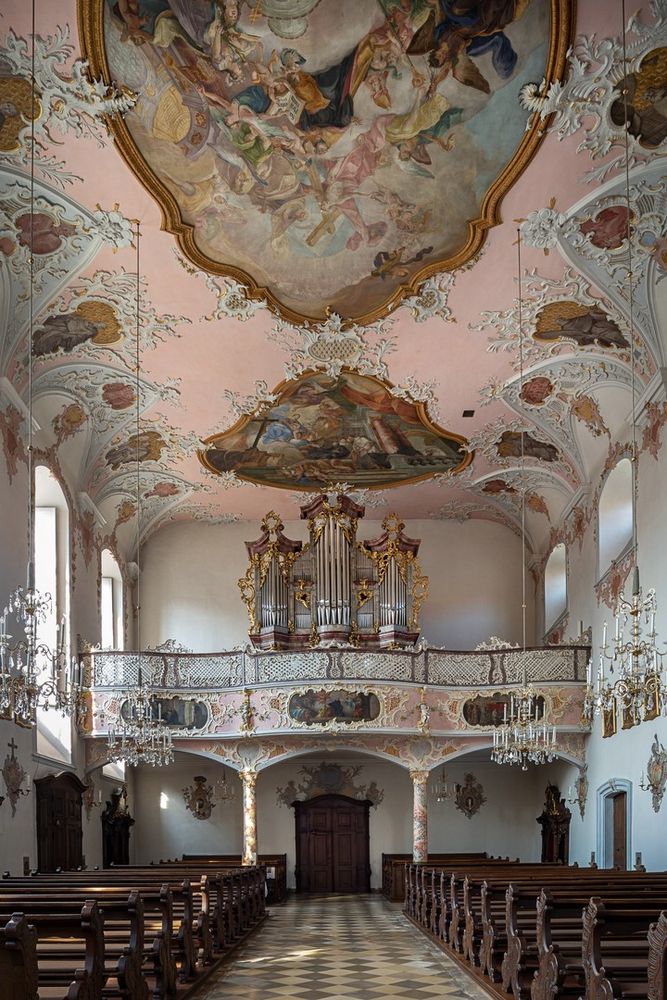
(339, 948)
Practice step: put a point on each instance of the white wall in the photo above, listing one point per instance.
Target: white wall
(190, 571)
(624, 755)
(505, 824)
(165, 828)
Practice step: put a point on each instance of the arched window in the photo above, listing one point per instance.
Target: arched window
(555, 586)
(615, 515)
(52, 555)
(111, 603)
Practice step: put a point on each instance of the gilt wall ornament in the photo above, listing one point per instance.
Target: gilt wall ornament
(14, 776)
(470, 796)
(581, 787)
(199, 797)
(656, 772)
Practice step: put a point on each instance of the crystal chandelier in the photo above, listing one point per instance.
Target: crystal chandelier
(635, 686)
(32, 675)
(631, 682)
(140, 736)
(524, 737)
(441, 789)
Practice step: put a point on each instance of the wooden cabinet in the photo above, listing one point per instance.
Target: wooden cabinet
(59, 829)
(332, 848)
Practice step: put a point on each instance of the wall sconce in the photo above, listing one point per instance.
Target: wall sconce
(90, 800)
(14, 774)
(578, 793)
(656, 773)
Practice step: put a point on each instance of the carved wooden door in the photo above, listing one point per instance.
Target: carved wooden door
(332, 848)
(59, 828)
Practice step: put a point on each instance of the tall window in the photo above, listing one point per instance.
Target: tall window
(615, 515)
(555, 586)
(111, 603)
(52, 542)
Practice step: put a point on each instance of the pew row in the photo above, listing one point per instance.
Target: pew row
(541, 931)
(131, 933)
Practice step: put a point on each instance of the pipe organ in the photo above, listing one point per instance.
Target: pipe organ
(333, 588)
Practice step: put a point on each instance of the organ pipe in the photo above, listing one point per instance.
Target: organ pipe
(333, 587)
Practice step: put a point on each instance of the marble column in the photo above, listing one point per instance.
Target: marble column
(249, 779)
(419, 815)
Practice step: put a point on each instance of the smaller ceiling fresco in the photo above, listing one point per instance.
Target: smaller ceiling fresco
(335, 155)
(324, 430)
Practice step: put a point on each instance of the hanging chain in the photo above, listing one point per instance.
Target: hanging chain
(523, 458)
(31, 318)
(631, 302)
(137, 430)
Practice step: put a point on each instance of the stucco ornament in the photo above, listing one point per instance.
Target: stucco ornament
(587, 98)
(329, 779)
(541, 228)
(431, 302)
(334, 344)
(70, 100)
(113, 227)
(14, 774)
(470, 796)
(232, 300)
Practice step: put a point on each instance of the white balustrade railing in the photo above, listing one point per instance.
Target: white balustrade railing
(420, 665)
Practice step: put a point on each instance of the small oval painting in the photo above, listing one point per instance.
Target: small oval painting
(490, 710)
(177, 713)
(319, 707)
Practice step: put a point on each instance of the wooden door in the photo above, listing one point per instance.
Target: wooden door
(619, 812)
(59, 827)
(332, 848)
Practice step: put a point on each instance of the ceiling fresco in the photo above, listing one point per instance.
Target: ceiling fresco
(419, 407)
(323, 430)
(335, 155)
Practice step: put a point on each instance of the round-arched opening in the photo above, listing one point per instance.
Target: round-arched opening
(615, 510)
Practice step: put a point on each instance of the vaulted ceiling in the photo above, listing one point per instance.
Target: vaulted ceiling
(327, 198)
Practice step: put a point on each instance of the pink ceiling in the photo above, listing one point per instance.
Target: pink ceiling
(204, 347)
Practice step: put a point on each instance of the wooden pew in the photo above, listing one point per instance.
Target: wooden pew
(615, 951)
(18, 958)
(69, 950)
(496, 916)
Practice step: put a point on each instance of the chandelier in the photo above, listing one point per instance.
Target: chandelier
(631, 682)
(524, 737)
(442, 790)
(635, 686)
(140, 737)
(32, 675)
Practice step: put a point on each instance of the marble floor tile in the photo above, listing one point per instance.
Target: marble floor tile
(339, 948)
